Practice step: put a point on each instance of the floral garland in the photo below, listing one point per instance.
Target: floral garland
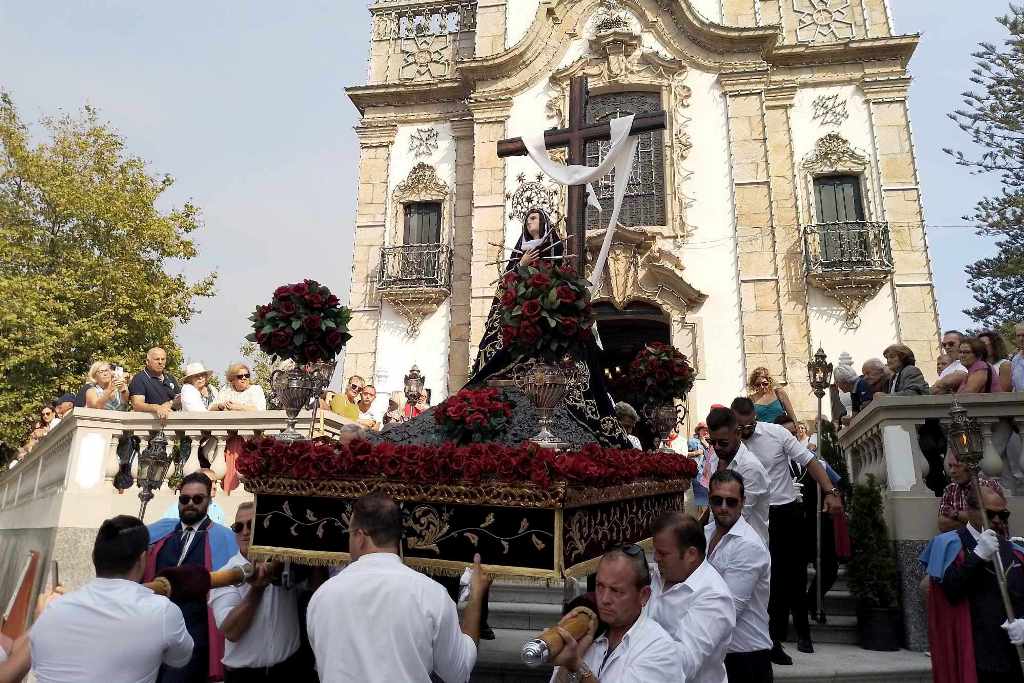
(546, 310)
(660, 373)
(303, 322)
(473, 415)
(450, 463)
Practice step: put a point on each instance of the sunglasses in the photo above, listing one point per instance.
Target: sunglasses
(196, 499)
(728, 501)
(245, 376)
(238, 526)
(1001, 515)
(747, 430)
(355, 387)
(631, 549)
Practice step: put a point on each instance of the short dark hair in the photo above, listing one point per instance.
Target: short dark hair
(197, 478)
(378, 516)
(119, 542)
(977, 346)
(783, 419)
(720, 417)
(685, 528)
(741, 405)
(726, 476)
(639, 562)
(956, 332)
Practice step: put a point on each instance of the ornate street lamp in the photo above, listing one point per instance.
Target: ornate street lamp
(819, 374)
(414, 382)
(153, 464)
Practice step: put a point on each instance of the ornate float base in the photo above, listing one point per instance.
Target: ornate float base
(520, 530)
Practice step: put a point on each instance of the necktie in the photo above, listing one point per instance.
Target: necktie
(187, 534)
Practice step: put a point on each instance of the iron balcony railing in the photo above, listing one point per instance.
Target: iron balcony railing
(847, 247)
(415, 266)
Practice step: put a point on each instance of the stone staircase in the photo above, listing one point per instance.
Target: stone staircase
(519, 611)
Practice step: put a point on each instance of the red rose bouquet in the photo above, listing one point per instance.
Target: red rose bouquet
(303, 322)
(659, 373)
(473, 416)
(546, 310)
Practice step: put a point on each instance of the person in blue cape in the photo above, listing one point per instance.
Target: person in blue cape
(970, 638)
(193, 539)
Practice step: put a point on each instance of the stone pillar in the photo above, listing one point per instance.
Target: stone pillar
(488, 210)
(916, 311)
(490, 27)
(371, 210)
(459, 353)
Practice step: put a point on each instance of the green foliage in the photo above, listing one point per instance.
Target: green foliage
(261, 365)
(994, 118)
(85, 259)
(872, 569)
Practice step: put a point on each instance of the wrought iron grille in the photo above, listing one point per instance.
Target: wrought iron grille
(847, 247)
(415, 266)
(644, 203)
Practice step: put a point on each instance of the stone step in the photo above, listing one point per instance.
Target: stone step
(498, 662)
(839, 630)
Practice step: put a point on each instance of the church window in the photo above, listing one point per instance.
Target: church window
(844, 237)
(422, 223)
(644, 203)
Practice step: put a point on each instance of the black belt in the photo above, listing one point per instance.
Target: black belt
(784, 505)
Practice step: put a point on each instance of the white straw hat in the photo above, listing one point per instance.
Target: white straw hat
(193, 369)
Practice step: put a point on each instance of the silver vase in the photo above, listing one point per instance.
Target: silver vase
(663, 419)
(297, 389)
(545, 386)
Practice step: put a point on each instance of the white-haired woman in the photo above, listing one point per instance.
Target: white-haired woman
(241, 393)
(196, 393)
(108, 391)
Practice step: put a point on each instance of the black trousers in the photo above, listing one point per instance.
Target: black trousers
(279, 673)
(999, 677)
(749, 667)
(196, 671)
(789, 572)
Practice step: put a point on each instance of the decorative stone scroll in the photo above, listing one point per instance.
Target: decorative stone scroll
(834, 154)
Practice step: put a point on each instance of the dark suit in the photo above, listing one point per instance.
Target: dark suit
(194, 611)
(975, 580)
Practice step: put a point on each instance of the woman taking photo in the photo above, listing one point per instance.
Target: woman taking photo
(108, 391)
(769, 400)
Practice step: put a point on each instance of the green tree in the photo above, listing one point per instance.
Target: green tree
(261, 365)
(85, 260)
(994, 118)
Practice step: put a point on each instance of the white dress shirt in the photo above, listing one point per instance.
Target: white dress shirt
(955, 366)
(273, 635)
(699, 615)
(775, 447)
(746, 567)
(109, 630)
(646, 654)
(755, 489)
(380, 622)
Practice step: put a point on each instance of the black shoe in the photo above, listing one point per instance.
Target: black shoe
(779, 656)
(805, 645)
(487, 633)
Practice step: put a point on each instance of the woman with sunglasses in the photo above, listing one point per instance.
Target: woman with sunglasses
(981, 377)
(242, 393)
(770, 400)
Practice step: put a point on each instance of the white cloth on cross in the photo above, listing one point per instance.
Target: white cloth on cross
(620, 157)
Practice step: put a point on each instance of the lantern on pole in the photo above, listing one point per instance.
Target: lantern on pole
(154, 462)
(414, 382)
(819, 374)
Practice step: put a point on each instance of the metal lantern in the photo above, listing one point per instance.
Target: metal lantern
(154, 462)
(414, 382)
(965, 436)
(819, 373)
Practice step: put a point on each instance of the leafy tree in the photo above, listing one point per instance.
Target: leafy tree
(261, 365)
(994, 118)
(84, 260)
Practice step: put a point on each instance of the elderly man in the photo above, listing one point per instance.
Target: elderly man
(634, 649)
(153, 390)
(260, 621)
(628, 418)
(742, 558)
(346, 404)
(1017, 362)
(733, 455)
(380, 621)
(953, 508)
(368, 417)
(954, 374)
(689, 598)
(875, 380)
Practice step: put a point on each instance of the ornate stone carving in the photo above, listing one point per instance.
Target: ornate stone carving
(823, 20)
(834, 153)
(830, 110)
(534, 193)
(423, 142)
(421, 184)
(424, 58)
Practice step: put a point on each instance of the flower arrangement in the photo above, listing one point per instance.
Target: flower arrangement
(546, 310)
(473, 415)
(303, 322)
(660, 373)
(449, 463)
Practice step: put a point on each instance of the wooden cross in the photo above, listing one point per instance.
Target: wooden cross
(576, 136)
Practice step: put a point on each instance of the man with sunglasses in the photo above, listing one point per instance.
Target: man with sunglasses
(777, 450)
(741, 557)
(346, 404)
(193, 539)
(954, 374)
(735, 456)
(260, 621)
(969, 634)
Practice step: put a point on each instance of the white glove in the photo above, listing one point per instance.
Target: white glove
(1015, 629)
(988, 543)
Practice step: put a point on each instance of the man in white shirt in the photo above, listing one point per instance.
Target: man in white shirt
(260, 621)
(689, 598)
(776, 448)
(634, 649)
(741, 557)
(73, 639)
(953, 375)
(733, 455)
(379, 621)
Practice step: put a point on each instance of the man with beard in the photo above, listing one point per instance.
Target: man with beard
(193, 539)
(733, 455)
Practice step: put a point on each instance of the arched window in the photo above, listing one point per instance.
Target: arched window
(644, 203)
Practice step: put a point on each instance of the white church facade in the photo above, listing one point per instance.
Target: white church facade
(780, 209)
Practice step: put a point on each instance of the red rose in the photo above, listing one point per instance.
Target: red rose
(260, 338)
(567, 270)
(508, 299)
(280, 338)
(565, 294)
(286, 308)
(332, 301)
(511, 279)
(539, 280)
(335, 339)
(313, 352)
(531, 308)
(312, 323)
(456, 411)
(568, 326)
(314, 299)
(300, 289)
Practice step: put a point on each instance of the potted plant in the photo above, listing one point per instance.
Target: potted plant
(873, 576)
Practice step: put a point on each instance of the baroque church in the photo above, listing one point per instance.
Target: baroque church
(779, 211)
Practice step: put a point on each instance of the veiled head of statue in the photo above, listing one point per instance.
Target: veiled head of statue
(536, 224)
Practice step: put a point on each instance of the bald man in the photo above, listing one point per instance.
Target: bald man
(153, 390)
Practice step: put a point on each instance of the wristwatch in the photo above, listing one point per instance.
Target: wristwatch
(834, 492)
(582, 675)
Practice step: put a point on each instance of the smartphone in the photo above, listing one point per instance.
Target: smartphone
(119, 372)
